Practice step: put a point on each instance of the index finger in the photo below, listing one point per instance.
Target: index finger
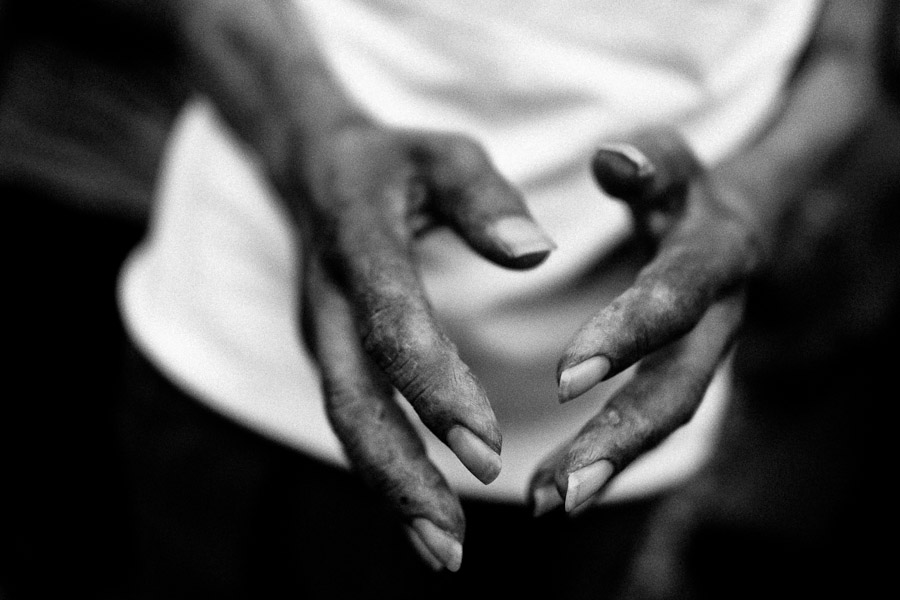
(664, 394)
(381, 444)
(667, 300)
(374, 267)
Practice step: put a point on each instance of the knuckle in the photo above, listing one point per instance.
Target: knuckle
(355, 417)
(420, 368)
(669, 302)
(664, 297)
(422, 363)
(348, 405)
(341, 399)
(468, 154)
(644, 427)
(399, 344)
(634, 435)
(637, 322)
(611, 418)
(355, 143)
(458, 154)
(382, 335)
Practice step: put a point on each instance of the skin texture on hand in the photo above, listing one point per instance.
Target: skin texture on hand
(704, 248)
(369, 324)
(358, 194)
(680, 316)
(713, 233)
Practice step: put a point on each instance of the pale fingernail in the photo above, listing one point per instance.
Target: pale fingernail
(639, 164)
(422, 550)
(522, 236)
(545, 499)
(587, 481)
(443, 547)
(483, 462)
(578, 379)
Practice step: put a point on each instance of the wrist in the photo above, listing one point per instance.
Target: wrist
(261, 67)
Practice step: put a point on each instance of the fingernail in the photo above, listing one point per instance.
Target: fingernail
(576, 380)
(522, 237)
(545, 499)
(442, 546)
(635, 163)
(586, 482)
(422, 550)
(483, 462)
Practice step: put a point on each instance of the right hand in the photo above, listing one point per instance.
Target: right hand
(358, 194)
(368, 323)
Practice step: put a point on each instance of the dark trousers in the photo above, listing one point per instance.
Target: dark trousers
(63, 517)
(225, 513)
(125, 487)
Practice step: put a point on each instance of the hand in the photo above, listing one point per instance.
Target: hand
(358, 194)
(371, 191)
(680, 316)
(713, 230)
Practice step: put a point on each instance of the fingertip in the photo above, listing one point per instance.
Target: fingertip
(523, 241)
(422, 550)
(475, 454)
(585, 482)
(622, 170)
(440, 545)
(579, 378)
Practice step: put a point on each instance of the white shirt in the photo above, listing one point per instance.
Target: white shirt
(211, 296)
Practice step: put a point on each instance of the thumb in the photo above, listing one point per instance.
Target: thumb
(646, 170)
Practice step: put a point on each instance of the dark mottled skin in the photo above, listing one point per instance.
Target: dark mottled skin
(713, 233)
(358, 192)
(795, 502)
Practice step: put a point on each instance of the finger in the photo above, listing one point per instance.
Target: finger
(664, 394)
(694, 267)
(543, 495)
(394, 320)
(648, 170)
(485, 209)
(380, 443)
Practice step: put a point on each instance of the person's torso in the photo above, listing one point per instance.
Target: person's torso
(212, 295)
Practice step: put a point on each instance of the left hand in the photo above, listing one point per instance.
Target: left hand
(679, 317)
